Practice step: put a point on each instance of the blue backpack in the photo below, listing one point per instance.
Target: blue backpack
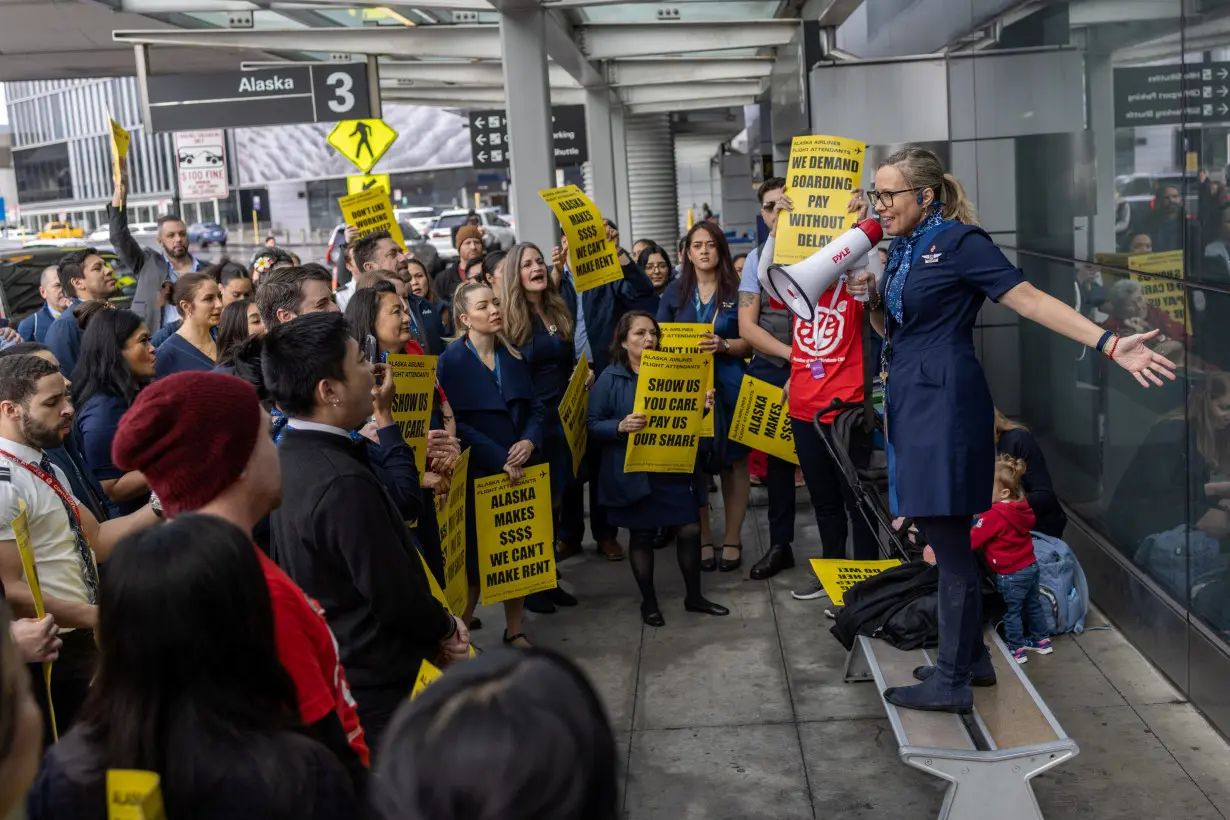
(1061, 585)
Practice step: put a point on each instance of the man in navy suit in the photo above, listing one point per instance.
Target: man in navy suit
(34, 327)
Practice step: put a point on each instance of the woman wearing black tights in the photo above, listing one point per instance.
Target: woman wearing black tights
(643, 502)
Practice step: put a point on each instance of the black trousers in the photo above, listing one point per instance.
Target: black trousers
(779, 479)
(376, 710)
(831, 497)
(70, 681)
(572, 510)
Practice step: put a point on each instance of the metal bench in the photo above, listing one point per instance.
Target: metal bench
(988, 757)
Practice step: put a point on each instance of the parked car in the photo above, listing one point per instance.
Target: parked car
(416, 245)
(206, 234)
(497, 234)
(21, 274)
(421, 216)
(60, 230)
(138, 229)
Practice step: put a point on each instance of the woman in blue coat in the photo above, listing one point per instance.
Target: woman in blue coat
(941, 422)
(194, 345)
(707, 292)
(643, 502)
(498, 415)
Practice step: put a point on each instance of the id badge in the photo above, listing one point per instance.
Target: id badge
(817, 369)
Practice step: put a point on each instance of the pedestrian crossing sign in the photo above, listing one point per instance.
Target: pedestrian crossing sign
(363, 142)
(362, 182)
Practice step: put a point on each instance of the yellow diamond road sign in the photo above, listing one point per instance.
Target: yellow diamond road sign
(363, 142)
(356, 184)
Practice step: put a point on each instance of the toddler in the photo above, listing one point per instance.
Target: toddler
(1003, 534)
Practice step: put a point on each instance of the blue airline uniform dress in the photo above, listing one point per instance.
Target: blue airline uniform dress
(551, 362)
(941, 420)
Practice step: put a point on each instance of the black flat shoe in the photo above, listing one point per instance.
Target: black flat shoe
(475, 624)
(729, 564)
(708, 564)
(653, 619)
(778, 558)
(560, 597)
(705, 607)
(519, 636)
(539, 602)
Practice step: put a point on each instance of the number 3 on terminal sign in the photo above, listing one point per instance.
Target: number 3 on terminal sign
(341, 83)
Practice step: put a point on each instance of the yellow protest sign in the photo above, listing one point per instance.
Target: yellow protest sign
(119, 150)
(684, 337)
(25, 548)
(370, 211)
(415, 380)
(670, 392)
(428, 674)
(516, 538)
(1170, 296)
(837, 575)
(453, 537)
(592, 259)
(573, 408)
(363, 142)
(823, 171)
(363, 182)
(133, 794)
(761, 421)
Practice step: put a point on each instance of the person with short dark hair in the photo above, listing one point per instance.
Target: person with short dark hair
(421, 285)
(34, 327)
(86, 277)
(378, 251)
(117, 362)
(151, 266)
(67, 540)
(493, 268)
(468, 240)
(190, 687)
(240, 321)
(338, 534)
(234, 279)
(640, 246)
(657, 266)
(286, 293)
(531, 715)
(271, 259)
(194, 345)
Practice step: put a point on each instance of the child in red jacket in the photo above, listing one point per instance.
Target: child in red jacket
(1003, 535)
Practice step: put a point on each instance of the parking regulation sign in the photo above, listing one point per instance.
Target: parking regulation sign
(200, 158)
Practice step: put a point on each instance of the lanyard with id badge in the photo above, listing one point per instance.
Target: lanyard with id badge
(816, 365)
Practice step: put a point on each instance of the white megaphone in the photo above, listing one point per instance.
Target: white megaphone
(798, 286)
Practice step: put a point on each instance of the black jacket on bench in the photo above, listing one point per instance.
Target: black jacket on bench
(341, 538)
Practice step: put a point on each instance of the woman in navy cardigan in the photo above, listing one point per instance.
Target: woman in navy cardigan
(643, 502)
(498, 415)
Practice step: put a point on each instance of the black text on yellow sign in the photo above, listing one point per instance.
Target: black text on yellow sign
(762, 421)
(823, 172)
(370, 211)
(414, 378)
(363, 182)
(685, 337)
(670, 392)
(516, 538)
(572, 412)
(838, 575)
(593, 260)
(453, 537)
(363, 142)
(134, 794)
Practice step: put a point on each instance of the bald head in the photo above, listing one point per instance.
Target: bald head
(51, 290)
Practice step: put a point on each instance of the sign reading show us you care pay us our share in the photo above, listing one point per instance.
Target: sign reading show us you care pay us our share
(823, 171)
(516, 539)
(670, 393)
(591, 258)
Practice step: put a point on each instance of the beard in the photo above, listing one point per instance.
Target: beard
(40, 436)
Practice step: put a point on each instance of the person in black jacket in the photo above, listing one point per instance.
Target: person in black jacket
(1014, 439)
(338, 534)
(190, 688)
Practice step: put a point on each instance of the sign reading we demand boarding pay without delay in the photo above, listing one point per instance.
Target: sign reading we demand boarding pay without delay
(823, 172)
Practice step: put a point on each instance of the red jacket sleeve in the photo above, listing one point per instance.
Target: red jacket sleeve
(988, 525)
(294, 623)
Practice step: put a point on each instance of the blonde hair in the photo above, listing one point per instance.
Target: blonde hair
(461, 305)
(1008, 474)
(1003, 424)
(923, 169)
(518, 314)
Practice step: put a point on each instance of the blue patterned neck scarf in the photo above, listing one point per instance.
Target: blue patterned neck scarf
(901, 259)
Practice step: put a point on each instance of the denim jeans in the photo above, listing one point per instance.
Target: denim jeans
(1020, 592)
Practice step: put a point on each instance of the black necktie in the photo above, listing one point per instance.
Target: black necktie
(89, 572)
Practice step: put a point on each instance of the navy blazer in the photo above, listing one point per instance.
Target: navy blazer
(604, 305)
(64, 339)
(490, 419)
(34, 327)
(432, 325)
(611, 399)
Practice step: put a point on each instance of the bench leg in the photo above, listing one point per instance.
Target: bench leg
(857, 667)
(997, 787)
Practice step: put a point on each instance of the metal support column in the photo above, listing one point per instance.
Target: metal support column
(601, 152)
(619, 157)
(523, 38)
(651, 180)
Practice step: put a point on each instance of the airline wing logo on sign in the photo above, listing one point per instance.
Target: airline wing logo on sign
(200, 158)
(363, 142)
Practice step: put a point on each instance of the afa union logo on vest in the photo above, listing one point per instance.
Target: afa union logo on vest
(821, 337)
(249, 85)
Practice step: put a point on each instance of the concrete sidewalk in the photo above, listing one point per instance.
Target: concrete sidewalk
(747, 716)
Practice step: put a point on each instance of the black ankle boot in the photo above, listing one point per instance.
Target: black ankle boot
(778, 558)
(538, 602)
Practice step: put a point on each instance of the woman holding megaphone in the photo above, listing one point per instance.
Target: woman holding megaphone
(940, 418)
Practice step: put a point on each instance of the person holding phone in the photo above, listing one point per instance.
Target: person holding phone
(499, 416)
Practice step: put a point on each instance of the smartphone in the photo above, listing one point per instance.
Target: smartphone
(370, 351)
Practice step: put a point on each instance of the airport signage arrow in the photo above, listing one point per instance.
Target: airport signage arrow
(1171, 94)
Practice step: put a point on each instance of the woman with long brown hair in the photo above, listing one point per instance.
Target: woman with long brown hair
(706, 292)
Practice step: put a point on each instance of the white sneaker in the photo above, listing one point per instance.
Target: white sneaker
(810, 591)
